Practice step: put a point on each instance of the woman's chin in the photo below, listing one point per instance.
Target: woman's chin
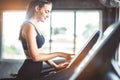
(41, 20)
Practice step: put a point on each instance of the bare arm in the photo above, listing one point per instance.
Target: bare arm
(48, 56)
(52, 64)
(35, 53)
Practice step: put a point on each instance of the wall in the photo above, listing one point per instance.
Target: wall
(57, 4)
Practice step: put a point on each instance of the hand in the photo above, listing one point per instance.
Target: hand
(65, 55)
(62, 65)
(69, 56)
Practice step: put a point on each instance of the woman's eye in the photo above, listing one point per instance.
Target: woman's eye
(46, 11)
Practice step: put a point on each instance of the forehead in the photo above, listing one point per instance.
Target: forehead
(47, 7)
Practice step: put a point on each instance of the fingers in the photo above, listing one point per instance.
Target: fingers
(70, 56)
(63, 65)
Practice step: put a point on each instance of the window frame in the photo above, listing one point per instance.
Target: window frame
(74, 26)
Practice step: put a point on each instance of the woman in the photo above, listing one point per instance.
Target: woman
(32, 41)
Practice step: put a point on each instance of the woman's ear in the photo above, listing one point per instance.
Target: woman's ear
(37, 8)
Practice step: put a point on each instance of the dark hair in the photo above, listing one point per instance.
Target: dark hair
(33, 3)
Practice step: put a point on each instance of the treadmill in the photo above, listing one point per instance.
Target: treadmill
(98, 63)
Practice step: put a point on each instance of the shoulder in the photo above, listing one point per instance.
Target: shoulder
(28, 28)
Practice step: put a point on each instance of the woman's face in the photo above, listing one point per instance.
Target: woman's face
(44, 12)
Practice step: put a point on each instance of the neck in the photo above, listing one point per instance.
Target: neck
(33, 21)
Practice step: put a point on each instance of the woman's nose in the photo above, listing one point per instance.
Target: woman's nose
(48, 15)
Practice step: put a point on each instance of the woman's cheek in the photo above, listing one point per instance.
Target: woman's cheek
(40, 19)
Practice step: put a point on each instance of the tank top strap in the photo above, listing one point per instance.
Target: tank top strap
(35, 27)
